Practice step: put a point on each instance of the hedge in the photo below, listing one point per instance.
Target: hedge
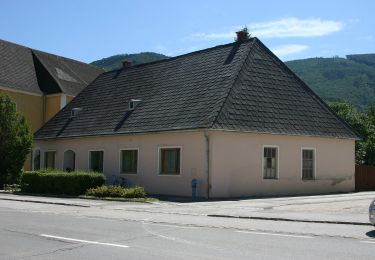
(115, 191)
(59, 182)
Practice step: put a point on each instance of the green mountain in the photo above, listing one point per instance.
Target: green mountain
(115, 62)
(334, 79)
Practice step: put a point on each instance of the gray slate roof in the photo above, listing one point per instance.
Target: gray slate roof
(240, 87)
(38, 72)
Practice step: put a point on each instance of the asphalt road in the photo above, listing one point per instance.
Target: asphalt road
(30, 231)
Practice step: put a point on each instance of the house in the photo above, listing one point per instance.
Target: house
(234, 117)
(41, 83)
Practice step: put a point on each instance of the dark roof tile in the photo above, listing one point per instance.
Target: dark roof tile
(250, 91)
(38, 72)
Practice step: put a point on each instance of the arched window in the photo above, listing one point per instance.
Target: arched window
(36, 160)
(69, 160)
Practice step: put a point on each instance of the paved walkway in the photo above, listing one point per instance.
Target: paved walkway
(342, 208)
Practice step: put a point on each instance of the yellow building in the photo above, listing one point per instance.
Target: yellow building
(41, 83)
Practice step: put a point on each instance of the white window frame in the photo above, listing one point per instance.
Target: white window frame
(89, 158)
(75, 158)
(40, 158)
(120, 160)
(277, 165)
(159, 158)
(314, 170)
(44, 159)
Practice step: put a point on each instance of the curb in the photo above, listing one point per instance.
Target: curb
(48, 202)
(292, 220)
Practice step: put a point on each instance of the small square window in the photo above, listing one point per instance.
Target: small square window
(170, 161)
(129, 161)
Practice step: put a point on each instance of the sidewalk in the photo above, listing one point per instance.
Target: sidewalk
(338, 209)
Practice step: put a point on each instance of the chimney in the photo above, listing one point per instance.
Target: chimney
(242, 36)
(126, 64)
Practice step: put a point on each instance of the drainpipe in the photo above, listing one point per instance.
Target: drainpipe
(207, 137)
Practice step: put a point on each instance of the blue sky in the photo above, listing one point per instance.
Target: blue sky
(88, 30)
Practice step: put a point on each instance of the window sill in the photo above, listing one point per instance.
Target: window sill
(275, 179)
(129, 173)
(313, 179)
(168, 174)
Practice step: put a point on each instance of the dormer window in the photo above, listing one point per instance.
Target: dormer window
(75, 111)
(133, 103)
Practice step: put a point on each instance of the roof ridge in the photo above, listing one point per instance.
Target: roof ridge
(67, 58)
(182, 55)
(234, 81)
(33, 49)
(308, 89)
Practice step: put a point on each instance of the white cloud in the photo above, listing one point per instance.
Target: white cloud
(288, 49)
(286, 27)
(293, 27)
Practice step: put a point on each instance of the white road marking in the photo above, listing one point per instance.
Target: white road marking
(83, 241)
(368, 242)
(273, 234)
(169, 225)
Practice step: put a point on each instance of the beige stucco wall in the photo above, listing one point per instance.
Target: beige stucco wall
(52, 106)
(235, 162)
(31, 106)
(236, 165)
(193, 162)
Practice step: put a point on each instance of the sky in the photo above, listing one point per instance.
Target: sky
(89, 30)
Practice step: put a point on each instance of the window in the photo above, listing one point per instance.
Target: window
(69, 161)
(75, 111)
(49, 160)
(36, 160)
(96, 161)
(270, 162)
(308, 164)
(129, 161)
(170, 161)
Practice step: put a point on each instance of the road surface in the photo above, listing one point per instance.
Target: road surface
(41, 231)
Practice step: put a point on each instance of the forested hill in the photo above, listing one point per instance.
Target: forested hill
(115, 62)
(334, 79)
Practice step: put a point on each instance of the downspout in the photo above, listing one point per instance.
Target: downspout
(207, 137)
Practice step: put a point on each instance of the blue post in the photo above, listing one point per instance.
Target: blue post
(194, 183)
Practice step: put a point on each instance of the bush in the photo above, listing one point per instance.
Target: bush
(59, 182)
(115, 191)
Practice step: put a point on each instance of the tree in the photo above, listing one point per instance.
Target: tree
(364, 124)
(15, 141)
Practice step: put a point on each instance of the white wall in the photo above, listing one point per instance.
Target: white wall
(235, 162)
(237, 170)
(193, 158)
